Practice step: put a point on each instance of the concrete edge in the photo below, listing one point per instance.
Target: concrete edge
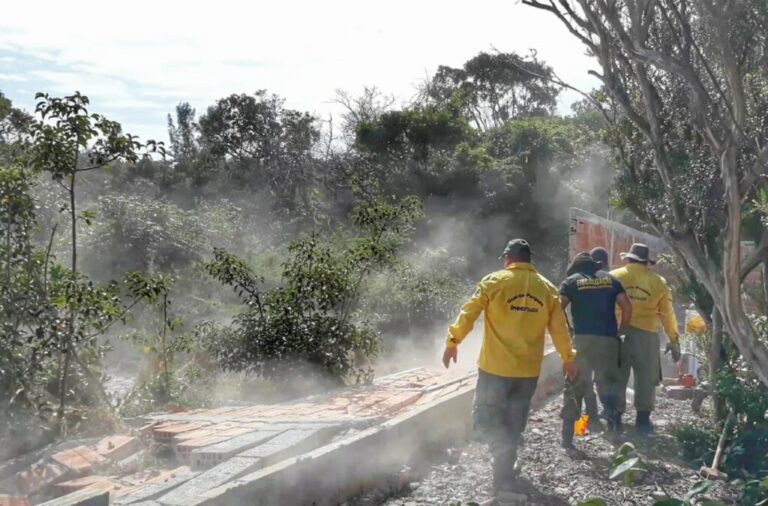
(343, 469)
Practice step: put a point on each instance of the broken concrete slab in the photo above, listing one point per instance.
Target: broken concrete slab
(216, 476)
(289, 443)
(211, 455)
(157, 487)
(337, 471)
(334, 473)
(85, 497)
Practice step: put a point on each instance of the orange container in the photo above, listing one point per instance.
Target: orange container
(581, 426)
(687, 380)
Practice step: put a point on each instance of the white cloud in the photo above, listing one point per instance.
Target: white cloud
(166, 52)
(12, 77)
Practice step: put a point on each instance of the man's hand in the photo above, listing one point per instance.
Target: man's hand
(448, 354)
(674, 349)
(571, 370)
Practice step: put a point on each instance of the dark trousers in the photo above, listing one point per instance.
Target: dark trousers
(500, 415)
(641, 355)
(597, 358)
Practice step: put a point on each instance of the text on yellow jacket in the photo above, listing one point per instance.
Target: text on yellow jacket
(519, 304)
(651, 299)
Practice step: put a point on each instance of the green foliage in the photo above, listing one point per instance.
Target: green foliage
(747, 452)
(419, 130)
(66, 130)
(264, 145)
(303, 333)
(696, 445)
(495, 88)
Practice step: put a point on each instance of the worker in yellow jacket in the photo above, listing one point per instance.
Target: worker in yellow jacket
(651, 306)
(519, 304)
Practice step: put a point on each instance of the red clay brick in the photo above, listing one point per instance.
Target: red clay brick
(93, 481)
(80, 460)
(10, 500)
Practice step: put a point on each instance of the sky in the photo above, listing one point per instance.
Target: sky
(137, 60)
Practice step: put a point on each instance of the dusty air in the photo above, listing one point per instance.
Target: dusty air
(350, 254)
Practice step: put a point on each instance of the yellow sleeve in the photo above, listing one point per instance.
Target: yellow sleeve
(469, 313)
(667, 314)
(558, 329)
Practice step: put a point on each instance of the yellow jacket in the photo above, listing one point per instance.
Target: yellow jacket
(519, 304)
(696, 325)
(651, 299)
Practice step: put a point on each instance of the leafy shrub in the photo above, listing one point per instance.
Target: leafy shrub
(304, 333)
(747, 452)
(697, 446)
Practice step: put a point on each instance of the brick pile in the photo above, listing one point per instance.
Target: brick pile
(215, 446)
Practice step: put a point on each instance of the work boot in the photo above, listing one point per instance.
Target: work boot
(567, 433)
(643, 425)
(567, 442)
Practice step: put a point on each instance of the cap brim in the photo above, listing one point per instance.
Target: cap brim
(635, 257)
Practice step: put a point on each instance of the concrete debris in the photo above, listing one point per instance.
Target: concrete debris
(85, 497)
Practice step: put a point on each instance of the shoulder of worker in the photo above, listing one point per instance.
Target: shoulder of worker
(548, 285)
(606, 274)
(493, 279)
(658, 278)
(619, 272)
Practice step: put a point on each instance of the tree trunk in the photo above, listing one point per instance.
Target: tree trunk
(716, 355)
(65, 343)
(764, 302)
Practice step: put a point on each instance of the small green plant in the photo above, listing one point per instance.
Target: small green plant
(754, 492)
(692, 497)
(626, 465)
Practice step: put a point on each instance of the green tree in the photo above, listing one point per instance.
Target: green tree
(687, 89)
(304, 332)
(264, 146)
(495, 88)
(13, 124)
(67, 141)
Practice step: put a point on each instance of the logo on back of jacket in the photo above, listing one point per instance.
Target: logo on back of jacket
(515, 301)
(594, 283)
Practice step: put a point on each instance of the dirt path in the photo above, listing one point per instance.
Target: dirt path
(552, 478)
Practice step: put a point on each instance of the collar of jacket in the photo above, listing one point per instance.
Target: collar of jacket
(636, 267)
(520, 265)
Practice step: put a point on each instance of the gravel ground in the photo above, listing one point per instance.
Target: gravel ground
(550, 477)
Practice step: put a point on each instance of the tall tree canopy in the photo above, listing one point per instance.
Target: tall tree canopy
(494, 88)
(688, 97)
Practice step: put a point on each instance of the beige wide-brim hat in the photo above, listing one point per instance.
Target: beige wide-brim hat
(639, 252)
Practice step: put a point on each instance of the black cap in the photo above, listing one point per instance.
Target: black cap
(515, 247)
(600, 255)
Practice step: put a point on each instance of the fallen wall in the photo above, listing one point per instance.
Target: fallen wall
(345, 468)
